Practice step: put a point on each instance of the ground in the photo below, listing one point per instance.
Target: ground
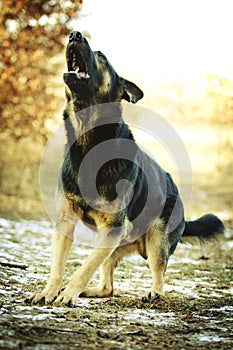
(195, 313)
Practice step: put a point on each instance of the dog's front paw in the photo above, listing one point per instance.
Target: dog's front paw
(41, 298)
(48, 295)
(68, 297)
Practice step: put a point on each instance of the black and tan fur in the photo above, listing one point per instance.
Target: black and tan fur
(118, 231)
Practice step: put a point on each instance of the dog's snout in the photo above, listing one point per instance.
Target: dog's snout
(75, 36)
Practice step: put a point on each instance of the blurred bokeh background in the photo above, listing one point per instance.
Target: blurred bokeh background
(178, 52)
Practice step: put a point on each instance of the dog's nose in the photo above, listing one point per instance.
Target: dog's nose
(75, 36)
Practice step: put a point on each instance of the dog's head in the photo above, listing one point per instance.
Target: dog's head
(91, 79)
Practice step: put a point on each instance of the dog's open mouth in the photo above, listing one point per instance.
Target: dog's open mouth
(78, 66)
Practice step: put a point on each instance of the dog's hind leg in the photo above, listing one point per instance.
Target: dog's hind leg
(157, 248)
(105, 287)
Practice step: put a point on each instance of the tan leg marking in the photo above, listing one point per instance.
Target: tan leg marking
(61, 245)
(105, 287)
(82, 276)
(157, 252)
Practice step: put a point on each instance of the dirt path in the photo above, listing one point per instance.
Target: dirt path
(196, 312)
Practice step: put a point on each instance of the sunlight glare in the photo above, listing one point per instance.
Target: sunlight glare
(166, 38)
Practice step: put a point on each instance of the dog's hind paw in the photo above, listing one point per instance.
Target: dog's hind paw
(97, 292)
(152, 296)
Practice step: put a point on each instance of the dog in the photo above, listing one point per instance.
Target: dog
(144, 214)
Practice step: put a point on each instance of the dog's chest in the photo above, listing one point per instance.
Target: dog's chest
(92, 215)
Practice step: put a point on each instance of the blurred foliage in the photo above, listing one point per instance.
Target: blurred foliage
(210, 99)
(205, 98)
(219, 98)
(32, 33)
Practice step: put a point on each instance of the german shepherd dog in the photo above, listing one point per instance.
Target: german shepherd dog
(145, 217)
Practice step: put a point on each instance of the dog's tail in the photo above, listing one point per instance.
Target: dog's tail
(206, 228)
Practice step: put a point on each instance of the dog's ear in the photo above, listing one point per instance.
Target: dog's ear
(131, 92)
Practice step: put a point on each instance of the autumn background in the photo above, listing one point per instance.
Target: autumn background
(177, 52)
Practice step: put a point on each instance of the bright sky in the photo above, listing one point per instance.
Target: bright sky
(169, 38)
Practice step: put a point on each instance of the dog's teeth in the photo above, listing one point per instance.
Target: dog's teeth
(80, 75)
(84, 75)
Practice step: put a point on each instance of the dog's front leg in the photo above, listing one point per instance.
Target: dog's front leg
(82, 276)
(61, 245)
(60, 250)
(105, 287)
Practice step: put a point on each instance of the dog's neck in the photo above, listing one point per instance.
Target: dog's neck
(91, 126)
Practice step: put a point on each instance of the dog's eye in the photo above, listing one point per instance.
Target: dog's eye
(101, 56)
